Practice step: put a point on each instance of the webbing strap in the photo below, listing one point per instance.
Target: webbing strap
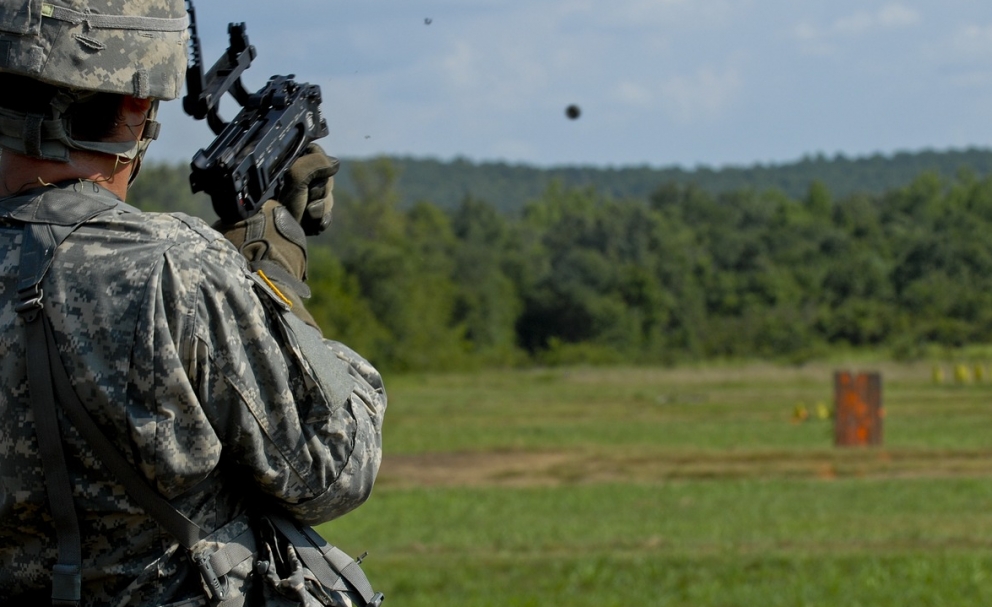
(39, 242)
(66, 580)
(326, 561)
(12, 122)
(44, 137)
(49, 384)
(233, 553)
(185, 531)
(31, 134)
(310, 556)
(120, 22)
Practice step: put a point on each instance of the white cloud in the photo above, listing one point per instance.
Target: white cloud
(660, 16)
(704, 95)
(964, 57)
(461, 67)
(854, 24)
(634, 94)
(507, 148)
(805, 32)
(980, 80)
(701, 96)
(973, 40)
(888, 17)
(897, 15)
(657, 80)
(964, 47)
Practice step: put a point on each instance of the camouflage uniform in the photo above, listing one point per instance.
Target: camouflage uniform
(200, 375)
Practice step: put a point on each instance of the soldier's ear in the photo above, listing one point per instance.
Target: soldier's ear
(134, 109)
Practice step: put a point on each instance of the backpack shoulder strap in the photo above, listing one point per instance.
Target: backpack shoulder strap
(66, 578)
(49, 383)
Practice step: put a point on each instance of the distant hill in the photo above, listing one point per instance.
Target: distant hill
(510, 186)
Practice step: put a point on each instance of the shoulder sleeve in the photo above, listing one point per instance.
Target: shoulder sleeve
(303, 415)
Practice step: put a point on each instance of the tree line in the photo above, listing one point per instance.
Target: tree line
(510, 186)
(581, 276)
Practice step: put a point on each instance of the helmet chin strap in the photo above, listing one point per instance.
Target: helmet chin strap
(49, 138)
(126, 151)
(148, 134)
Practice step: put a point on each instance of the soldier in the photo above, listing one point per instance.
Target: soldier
(189, 346)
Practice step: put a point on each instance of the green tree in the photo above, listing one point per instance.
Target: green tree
(402, 263)
(487, 303)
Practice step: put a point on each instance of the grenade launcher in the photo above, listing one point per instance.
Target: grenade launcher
(246, 164)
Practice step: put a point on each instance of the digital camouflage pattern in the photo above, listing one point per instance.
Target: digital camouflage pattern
(130, 47)
(199, 375)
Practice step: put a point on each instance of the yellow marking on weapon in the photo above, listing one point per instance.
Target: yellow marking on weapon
(274, 288)
(47, 10)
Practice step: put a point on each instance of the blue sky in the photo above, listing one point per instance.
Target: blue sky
(659, 82)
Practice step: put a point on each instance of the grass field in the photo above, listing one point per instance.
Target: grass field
(676, 487)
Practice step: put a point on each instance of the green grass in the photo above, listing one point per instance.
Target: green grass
(616, 580)
(686, 518)
(715, 408)
(718, 498)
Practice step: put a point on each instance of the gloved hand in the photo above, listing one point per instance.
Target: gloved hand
(275, 246)
(308, 189)
(273, 240)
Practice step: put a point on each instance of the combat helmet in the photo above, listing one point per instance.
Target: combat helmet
(84, 47)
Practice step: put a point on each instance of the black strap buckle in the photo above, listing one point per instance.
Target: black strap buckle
(216, 587)
(30, 300)
(66, 585)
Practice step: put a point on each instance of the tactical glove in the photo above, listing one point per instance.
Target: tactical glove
(308, 189)
(274, 239)
(276, 247)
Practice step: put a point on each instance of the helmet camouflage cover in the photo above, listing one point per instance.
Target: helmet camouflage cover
(82, 47)
(129, 47)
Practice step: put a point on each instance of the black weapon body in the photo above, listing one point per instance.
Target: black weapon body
(247, 162)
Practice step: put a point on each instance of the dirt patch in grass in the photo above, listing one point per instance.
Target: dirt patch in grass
(550, 468)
